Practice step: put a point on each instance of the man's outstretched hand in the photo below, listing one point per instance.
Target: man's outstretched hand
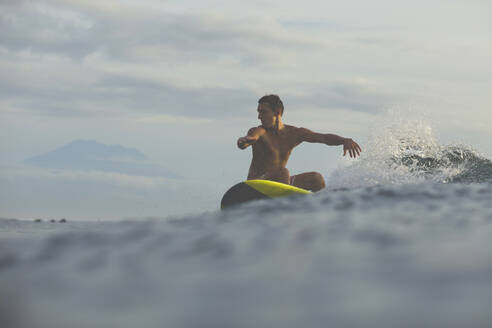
(352, 147)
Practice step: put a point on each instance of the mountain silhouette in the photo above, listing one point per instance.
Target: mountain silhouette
(90, 155)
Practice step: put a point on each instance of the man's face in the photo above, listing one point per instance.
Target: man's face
(266, 116)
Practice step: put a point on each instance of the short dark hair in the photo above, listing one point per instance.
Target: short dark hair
(274, 102)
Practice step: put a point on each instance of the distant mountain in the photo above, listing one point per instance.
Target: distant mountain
(90, 155)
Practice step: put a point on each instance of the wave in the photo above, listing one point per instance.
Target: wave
(463, 163)
(407, 152)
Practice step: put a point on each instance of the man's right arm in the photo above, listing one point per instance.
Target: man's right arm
(253, 135)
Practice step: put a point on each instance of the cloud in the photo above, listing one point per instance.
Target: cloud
(171, 119)
(352, 95)
(75, 59)
(122, 32)
(45, 29)
(124, 96)
(144, 98)
(92, 59)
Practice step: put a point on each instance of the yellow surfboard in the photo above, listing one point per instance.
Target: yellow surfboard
(258, 189)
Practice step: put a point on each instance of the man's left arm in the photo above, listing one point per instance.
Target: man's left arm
(349, 145)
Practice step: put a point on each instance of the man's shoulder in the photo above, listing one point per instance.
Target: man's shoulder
(297, 128)
(290, 127)
(297, 133)
(257, 129)
(293, 129)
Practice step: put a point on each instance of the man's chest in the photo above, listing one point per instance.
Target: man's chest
(278, 144)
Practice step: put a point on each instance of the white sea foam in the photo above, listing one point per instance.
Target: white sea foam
(403, 150)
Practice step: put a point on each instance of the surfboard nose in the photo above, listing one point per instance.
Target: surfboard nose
(258, 189)
(240, 193)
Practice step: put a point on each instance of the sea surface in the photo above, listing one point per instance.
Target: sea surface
(400, 238)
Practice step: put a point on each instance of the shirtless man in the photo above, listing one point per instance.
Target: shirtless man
(273, 142)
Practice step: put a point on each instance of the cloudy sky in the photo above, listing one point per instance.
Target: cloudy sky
(179, 81)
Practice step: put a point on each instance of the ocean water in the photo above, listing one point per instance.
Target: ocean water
(401, 238)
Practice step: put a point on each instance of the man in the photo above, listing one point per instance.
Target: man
(273, 142)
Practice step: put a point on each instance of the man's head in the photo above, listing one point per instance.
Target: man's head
(270, 109)
(274, 102)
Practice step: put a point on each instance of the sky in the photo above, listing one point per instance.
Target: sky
(180, 80)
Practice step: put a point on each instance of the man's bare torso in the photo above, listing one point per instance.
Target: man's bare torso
(272, 150)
